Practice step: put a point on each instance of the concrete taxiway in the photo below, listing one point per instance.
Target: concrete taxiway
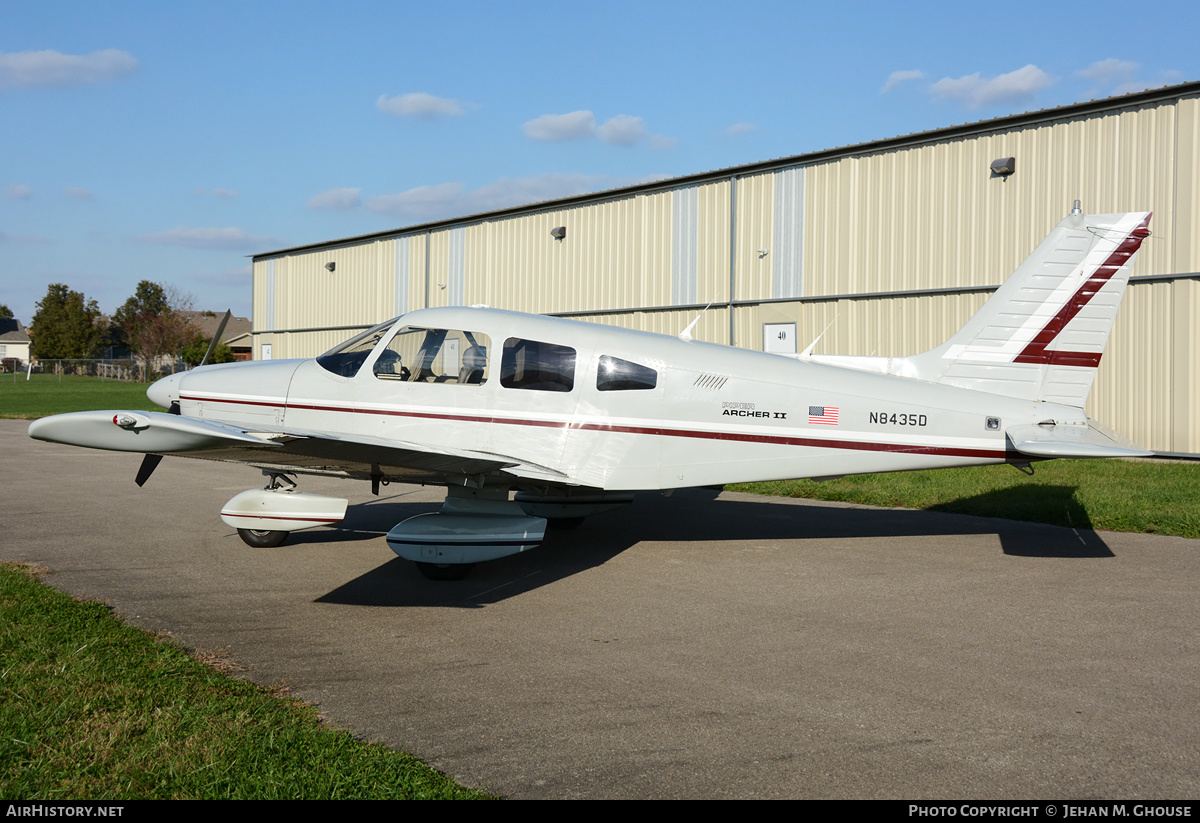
(698, 645)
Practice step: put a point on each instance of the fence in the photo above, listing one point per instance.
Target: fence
(126, 370)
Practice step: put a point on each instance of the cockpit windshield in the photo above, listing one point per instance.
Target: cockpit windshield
(419, 355)
(347, 358)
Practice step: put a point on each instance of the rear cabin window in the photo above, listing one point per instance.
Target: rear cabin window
(347, 358)
(537, 366)
(615, 374)
(435, 356)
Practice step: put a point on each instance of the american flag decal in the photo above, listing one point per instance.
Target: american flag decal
(827, 415)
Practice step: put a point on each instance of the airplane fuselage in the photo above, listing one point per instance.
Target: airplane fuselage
(683, 413)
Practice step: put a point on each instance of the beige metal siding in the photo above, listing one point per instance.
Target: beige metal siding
(932, 216)
(616, 255)
(755, 231)
(713, 323)
(1182, 232)
(1146, 387)
(1132, 389)
(892, 327)
(360, 290)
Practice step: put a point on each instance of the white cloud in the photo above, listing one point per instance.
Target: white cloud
(1130, 88)
(1110, 70)
(336, 200)
(426, 203)
(18, 191)
(659, 142)
(224, 194)
(622, 130)
(738, 128)
(1115, 73)
(79, 194)
(576, 125)
(420, 203)
(52, 68)
(420, 105)
(898, 77)
(975, 92)
(226, 239)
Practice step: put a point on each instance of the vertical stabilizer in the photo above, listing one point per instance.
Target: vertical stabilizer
(1041, 335)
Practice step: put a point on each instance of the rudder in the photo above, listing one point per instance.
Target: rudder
(1042, 334)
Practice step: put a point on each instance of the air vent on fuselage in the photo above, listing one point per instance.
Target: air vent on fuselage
(710, 381)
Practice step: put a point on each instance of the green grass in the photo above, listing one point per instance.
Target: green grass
(45, 394)
(91, 709)
(1156, 497)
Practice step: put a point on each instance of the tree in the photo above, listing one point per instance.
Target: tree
(194, 352)
(5, 312)
(152, 323)
(64, 325)
(149, 300)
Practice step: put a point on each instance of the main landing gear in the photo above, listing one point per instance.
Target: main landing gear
(473, 525)
(476, 525)
(264, 517)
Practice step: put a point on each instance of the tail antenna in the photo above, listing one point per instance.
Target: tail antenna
(686, 334)
(808, 351)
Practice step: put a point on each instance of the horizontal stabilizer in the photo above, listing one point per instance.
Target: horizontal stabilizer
(1066, 440)
(138, 431)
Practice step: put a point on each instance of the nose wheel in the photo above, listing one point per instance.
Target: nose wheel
(262, 538)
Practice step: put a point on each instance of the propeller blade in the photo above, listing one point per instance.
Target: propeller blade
(212, 344)
(149, 464)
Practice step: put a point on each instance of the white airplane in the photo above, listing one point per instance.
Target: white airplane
(574, 417)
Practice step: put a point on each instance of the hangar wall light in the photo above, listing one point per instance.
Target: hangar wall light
(330, 266)
(559, 233)
(1004, 166)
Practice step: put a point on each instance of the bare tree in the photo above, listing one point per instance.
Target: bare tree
(154, 325)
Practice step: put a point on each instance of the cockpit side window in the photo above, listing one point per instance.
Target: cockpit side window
(537, 366)
(615, 374)
(418, 355)
(347, 358)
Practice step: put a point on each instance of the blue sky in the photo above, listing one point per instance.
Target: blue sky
(169, 141)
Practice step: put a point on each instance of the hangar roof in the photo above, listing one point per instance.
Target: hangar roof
(978, 127)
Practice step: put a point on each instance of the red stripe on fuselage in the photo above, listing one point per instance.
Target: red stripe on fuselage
(741, 437)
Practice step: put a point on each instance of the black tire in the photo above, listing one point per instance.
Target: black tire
(445, 571)
(261, 538)
(564, 523)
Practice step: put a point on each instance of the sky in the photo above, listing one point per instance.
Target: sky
(170, 141)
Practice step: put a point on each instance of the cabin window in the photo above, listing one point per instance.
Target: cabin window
(615, 374)
(347, 358)
(537, 366)
(435, 356)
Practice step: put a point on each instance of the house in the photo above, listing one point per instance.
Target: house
(14, 344)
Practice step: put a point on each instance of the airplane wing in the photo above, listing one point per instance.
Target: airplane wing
(1091, 440)
(288, 451)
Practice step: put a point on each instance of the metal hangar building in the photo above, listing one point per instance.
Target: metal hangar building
(888, 247)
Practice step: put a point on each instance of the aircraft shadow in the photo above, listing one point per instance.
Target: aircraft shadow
(692, 515)
(1053, 503)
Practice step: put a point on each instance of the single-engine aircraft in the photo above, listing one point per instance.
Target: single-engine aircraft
(574, 417)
